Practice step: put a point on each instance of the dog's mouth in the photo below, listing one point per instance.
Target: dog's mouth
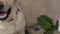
(4, 15)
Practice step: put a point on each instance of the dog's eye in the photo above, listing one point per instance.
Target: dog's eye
(17, 10)
(11, 20)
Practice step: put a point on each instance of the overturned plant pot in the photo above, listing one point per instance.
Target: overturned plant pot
(58, 25)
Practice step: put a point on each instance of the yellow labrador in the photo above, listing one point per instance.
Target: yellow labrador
(12, 20)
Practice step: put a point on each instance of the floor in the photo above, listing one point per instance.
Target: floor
(34, 8)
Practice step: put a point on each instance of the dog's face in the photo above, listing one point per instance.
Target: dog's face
(5, 8)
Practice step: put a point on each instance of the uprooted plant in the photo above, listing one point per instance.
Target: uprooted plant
(46, 23)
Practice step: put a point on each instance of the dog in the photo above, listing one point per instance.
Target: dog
(12, 20)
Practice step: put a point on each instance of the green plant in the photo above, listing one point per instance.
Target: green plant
(48, 32)
(46, 23)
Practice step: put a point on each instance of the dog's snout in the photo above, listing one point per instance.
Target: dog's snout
(1, 5)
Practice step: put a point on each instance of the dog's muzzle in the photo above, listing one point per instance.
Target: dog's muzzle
(4, 14)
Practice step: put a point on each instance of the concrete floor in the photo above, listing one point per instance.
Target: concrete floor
(34, 8)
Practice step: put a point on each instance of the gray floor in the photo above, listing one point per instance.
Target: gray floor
(34, 8)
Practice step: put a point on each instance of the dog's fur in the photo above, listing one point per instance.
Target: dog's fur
(15, 22)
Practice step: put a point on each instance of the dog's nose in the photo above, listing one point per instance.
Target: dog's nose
(1, 5)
